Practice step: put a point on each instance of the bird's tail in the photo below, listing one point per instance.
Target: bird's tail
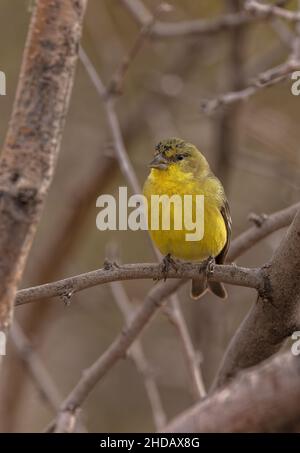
(200, 286)
(218, 289)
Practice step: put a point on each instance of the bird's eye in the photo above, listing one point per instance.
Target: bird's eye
(179, 157)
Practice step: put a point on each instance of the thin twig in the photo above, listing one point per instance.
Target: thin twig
(265, 79)
(192, 358)
(137, 353)
(263, 11)
(35, 367)
(38, 373)
(189, 27)
(270, 76)
(117, 81)
(270, 224)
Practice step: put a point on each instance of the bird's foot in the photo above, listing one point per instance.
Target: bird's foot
(109, 265)
(207, 266)
(211, 262)
(167, 263)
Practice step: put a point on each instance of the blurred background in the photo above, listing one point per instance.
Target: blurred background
(253, 147)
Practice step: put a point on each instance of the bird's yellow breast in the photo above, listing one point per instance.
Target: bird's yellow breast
(173, 181)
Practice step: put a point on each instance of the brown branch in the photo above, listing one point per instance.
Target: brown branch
(117, 81)
(137, 354)
(263, 399)
(263, 80)
(227, 122)
(240, 245)
(35, 367)
(268, 225)
(270, 76)
(33, 138)
(275, 316)
(189, 27)
(117, 350)
(67, 287)
(38, 373)
(172, 310)
(260, 10)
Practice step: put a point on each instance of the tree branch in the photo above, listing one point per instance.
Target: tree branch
(267, 225)
(138, 356)
(270, 76)
(117, 349)
(67, 287)
(189, 27)
(275, 316)
(260, 10)
(263, 80)
(35, 367)
(33, 138)
(263, 399)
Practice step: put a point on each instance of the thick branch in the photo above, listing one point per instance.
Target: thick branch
(263, 399)
(275, 316)
(33, 138)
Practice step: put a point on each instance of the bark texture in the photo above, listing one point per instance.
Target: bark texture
(33, 139)
(275, 315)
(263, 399)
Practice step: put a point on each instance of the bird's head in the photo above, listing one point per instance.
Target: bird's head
(176, 153)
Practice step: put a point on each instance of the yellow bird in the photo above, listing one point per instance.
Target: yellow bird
(179, 168)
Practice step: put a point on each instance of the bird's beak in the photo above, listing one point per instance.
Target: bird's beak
(159, 162)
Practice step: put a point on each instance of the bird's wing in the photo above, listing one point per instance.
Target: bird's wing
(225, 211)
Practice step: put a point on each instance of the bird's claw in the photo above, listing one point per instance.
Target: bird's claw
(257, 219)
(211, 262)
(110, 265)
(166, 264)
(207, 266)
